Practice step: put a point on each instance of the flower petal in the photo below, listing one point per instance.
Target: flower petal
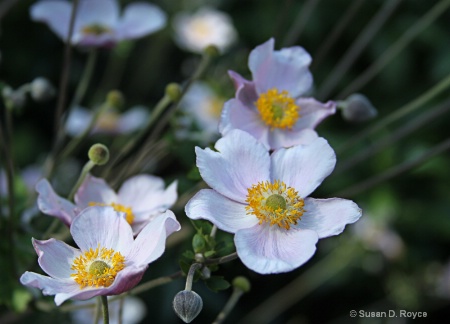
(241, 162)
(245, 90)
(55, 13)
(77, 121)
(312, 112)
(328, 217)
(104, 227)
(303, 167)
(55, 257)
(150, 243)
(98, 12)
(279, 138)
(140, 19)
(287, 69)
(51, 204)
(269, 249)
(94, 190)
(132, 120)
(226, 214)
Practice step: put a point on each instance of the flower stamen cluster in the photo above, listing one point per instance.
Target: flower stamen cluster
(129, 216)
(275, 203)
(277, 109)
(95, 29)
(97, 268)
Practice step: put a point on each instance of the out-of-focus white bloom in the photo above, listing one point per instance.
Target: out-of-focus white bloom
(41, 89)
(134, 311)
(207, 26)
(203, 108)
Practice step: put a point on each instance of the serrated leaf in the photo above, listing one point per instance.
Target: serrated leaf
(217, 283)
(209, 254)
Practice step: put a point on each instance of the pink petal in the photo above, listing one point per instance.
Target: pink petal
(140, 19)
(241, 161)
(226, 214)
(312, 112)
(132, 120)
(98, 12)
(268, 249)
(303, 167)
(51, 204)
(55, 13)
(279, 138)
(55, 257)
(94, 190)
(328, 217)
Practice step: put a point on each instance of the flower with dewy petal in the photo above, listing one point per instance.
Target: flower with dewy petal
(263, 199)
(270, 107)
(99, 23)
(141, 199)
(108, 262)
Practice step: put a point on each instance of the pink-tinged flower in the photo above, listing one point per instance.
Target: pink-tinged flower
(263, 199)
(99, 23)
(270, 107)
(141, 199)
(108, 262)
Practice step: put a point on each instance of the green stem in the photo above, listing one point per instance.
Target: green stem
(87, 167)
(85, 78)
(190, 277)
(231, 303)
(223, 259)
(105, 310)
(300, 22)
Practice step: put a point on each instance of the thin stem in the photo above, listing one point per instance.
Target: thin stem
(231, 303)
(190, 277)
(97, 306)
(223, 259)
(85, 78)
(155, 283)
(213, 231)
(300, 22)
(87, 167)
(105, 309)
(120, 315)
(357, 47)
(394, 171)
(396, 48)
(397, 114)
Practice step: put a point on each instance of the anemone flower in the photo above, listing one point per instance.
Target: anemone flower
(270, 107)
(141, 198)
(98, 23)
(108, 262)
(263, 199)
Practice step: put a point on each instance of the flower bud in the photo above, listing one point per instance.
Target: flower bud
(115, 99)
(41, 90)
(357, 108)
(173, 91)
(187, 305)
(99, 154)
(212, 51)
(241, 283)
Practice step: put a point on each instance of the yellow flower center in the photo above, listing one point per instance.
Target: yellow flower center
(118, 207)
(95, 29)
(215, 107)
(97, 268)
(274, 203)
(278, 109)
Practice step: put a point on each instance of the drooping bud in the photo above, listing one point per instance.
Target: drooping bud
(98, 154)
(187, 305)
(41, 90)
(115, 99)
(357, 108)
(173, 91)
(212, 51)
(241, 283)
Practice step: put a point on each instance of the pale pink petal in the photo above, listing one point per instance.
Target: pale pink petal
(132, 120)
(51, 204)
(94, 190)
(312, 112)
(241, 161)
(104, 227)
(328, 217)
(226, 214)
(55, 257)
(237, 116)
(98, 12)
(287, 69)
(279, 138)
(303, 167)
(238, 80)
(245, 90)
(140, 19)
(268, 249)
(150, 243)
(77, 121)
(55, 13)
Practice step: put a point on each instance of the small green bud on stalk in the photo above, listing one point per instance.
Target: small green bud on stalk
(98, 154)
(241, 283)
(212, 51)
(115, 99)
(173, 91)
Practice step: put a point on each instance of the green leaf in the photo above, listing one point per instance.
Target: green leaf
(20, 299)
(216, 283)
(209, 254)
(198, 243)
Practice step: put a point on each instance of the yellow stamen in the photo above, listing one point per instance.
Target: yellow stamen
(118, 207)
(278, 109)
(97, 268)
(95, 29)
(275, 203)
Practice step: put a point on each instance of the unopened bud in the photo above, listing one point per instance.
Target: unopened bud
(241, 283)
(115, 99)
(187, 305)
(357, 108)
(212, 51)
(173, 90)
(41, 90)
(99, 154)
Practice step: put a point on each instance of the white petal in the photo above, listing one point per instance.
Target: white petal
(94, 190)
(104, 227)
(140, 19)
(77, 121)
(328, 217)
(98, 12)
(132, 120)
(303, 167)
(56, 14)
(279, 138)
(312, 112)
(269, 249)
(240, 163)
(226, 214)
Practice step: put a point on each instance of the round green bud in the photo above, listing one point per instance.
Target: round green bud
(187, 305)
(173, 91)
(241, 283)
(99, 154)
(212, 51)
(115, 99)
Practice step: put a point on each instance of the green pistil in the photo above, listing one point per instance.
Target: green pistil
(95, 29)
(97, 268)
(276, 202)
(278, 112)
